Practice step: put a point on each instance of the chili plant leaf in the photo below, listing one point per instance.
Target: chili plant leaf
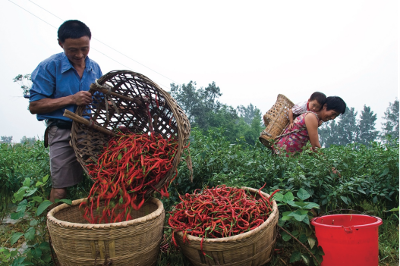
(303, 238)
(288, 197)
(303, 194)
(311, 205)
(296, 256)
(17, 215)
(22, 206)
(43, 206)
(278, 196)
(30, 233)
(286, 236)
(311, 242)
(344, 199)
(67, 201)
(14, 238)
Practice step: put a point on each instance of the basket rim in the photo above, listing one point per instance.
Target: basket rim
(148, 217)
(239, 236)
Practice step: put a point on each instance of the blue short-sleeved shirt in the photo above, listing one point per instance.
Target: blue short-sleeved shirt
(55, 77)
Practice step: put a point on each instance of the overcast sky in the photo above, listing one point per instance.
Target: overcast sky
(252, 50)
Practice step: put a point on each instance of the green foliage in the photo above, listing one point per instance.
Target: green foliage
(28, 141)
(341, 131)
(391, 124)
(206, 112)
(6, 139)
(369, 174)
(25, 83)
(18, 162)
(367, 132)
(31, 205)
(369, 183)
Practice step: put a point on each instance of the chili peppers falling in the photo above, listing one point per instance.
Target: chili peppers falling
(130, 166)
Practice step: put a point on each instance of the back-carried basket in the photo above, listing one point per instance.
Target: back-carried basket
(275, 120)
(128, 101)
(254, 247)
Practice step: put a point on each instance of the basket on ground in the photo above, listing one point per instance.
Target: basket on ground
(275, 120)
(134, 242)
(251, 248)
(130, 102)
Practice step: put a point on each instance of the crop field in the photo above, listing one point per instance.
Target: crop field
(367, 183)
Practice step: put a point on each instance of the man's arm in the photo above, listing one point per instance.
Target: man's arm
(47, 105)
(312, 129)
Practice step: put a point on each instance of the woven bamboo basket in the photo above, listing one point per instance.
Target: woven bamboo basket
(275, 120)
(133, 242)
(251, 248)
(130, 101)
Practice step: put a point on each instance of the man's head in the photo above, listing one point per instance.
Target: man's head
(333, 107)
(316, 101)
(74, 37)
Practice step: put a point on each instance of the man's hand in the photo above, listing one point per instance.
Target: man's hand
(290, 126)
(82, 98)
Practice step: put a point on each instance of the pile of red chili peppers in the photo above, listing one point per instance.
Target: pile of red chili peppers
(130, 166)
(219, 212)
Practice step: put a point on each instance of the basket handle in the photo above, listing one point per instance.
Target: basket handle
(79, 119)
(102, 89)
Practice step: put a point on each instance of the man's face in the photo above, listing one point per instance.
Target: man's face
(314, 106)
(76, 50)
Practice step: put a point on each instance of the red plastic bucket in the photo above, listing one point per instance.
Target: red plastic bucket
(348, 239)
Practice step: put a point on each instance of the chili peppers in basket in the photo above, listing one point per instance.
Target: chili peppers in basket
(130, 166)
(219, 212)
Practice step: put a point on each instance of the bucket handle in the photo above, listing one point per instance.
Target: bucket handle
(347, 229)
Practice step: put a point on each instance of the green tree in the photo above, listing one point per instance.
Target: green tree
(198, 104)
(347, 129)
(367, 132)
(342, 132)
(249, 113)
(391, 124)
(327, 133)
(25, 82)
(28, 141)
(6, 139)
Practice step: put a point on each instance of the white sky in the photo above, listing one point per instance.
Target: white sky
(253, 50)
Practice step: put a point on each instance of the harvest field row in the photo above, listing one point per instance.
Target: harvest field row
(369, 184)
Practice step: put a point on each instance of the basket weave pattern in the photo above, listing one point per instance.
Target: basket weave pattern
(250, 248)
(128, 100)
(276, 120)
(134, 242)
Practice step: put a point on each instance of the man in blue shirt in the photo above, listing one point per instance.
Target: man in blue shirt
(62, 82)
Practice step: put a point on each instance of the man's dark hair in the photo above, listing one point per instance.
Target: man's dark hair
(335, 103)
(73, 29)
(319, 97)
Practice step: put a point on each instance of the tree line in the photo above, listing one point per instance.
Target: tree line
(205, 111)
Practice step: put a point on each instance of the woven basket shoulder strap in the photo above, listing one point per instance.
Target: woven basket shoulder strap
(297, 130)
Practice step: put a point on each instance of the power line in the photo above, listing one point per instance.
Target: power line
(106, 44)
(93, 38)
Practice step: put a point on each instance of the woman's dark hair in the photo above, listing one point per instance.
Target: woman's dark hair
(335, 103)
(319, 97)
(73, 29)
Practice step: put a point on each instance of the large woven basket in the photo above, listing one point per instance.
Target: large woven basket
(275, 120)
(251, 248)
(134, 242)
(129, 101)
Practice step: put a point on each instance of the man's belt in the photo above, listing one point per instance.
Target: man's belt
(55, 122)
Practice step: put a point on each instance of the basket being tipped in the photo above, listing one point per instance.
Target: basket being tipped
(129, 102)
